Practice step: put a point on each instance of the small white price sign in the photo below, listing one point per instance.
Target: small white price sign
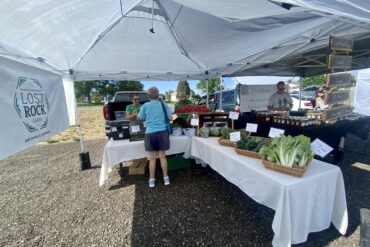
(114, 129)
(251, 127)
(322, 107)
(235, 136)
(135, 128)
(234, 115)
(320, 148)
(194, 122)
(275, 132)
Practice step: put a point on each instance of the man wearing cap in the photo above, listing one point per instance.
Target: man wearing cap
(280, 100)
(182, 101)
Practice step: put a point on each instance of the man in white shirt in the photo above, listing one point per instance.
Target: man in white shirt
(280, 100)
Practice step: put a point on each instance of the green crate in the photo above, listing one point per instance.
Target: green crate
(177, 162)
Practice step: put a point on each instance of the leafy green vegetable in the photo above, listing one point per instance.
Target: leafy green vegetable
(214, 131)
(288, 151)
(225, 132)
(204, 131)
(251, 143)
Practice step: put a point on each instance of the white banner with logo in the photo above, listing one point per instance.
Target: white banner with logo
(255, 97)
(33, 106)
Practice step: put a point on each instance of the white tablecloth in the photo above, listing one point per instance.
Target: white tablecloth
(116, 152)
(302, 205)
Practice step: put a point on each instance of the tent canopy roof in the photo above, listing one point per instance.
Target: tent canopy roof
(110, 39)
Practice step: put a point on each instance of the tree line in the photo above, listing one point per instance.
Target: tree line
(97, 91)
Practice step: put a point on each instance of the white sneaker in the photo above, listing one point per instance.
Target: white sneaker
(151, 182)
(166, 180)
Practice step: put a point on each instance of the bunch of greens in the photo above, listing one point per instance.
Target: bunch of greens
(289, 151)
(214, 131)
(251, 143)
(179, 123)
(244, 134)
(225, 132)
(176, 125)
(204, 132)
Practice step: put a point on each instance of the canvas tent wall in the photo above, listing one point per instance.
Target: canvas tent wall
(362, 96)
(178, 39)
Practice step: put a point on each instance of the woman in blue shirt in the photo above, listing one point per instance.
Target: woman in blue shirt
(157, 139)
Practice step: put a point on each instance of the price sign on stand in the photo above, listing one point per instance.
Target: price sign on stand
(251, 127)
(234, 115)
(275, 132)
(235, 136)
(135, 128)
(113, 129)
(320, 148)
(194, 122)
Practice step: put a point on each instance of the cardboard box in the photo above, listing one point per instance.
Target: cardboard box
(138, 167)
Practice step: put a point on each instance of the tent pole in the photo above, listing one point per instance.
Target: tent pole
(79, 127)
(85, 162)
(300, 92)
(300, 86)
(207, 92)
(222, 83)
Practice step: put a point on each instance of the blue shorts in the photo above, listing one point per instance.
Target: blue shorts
(157, 141)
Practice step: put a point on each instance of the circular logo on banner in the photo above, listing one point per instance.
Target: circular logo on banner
(31, 104)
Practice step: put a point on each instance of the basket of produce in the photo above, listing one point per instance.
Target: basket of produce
(225, 142)
(251, 145)
(287, 154)
(176, 129)
(225, 138)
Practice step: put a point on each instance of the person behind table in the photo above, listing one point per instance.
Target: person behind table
(133, 109)
(320, 97)
(156, 138)
(183, 100)
(280, 100)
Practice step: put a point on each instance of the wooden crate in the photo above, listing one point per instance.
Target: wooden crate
(292, 171)
(226, 142)
(138, 167)
(336, 112)
(251, 154)
(214, 117)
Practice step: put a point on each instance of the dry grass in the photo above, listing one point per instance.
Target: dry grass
(92, 126)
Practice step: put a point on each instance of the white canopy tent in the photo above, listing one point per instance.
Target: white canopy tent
(178, 39)
(110, 39)
(362, 96)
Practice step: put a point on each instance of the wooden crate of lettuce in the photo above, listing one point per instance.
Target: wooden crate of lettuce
(287, 154)
(251, 145)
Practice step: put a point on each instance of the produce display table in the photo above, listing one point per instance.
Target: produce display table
(116, 152)
(328, 133)
(302, 205)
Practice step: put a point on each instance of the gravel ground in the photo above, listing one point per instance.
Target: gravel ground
(46, 201)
